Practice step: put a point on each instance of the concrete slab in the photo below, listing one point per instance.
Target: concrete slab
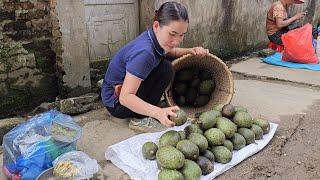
(254, 67)
(270, 100)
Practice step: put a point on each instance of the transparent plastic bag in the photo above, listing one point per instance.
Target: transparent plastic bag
(75, 165)
(30, 148)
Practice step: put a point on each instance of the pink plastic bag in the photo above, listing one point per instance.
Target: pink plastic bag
(298, 46)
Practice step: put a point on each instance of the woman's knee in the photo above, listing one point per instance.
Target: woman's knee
(120, 112)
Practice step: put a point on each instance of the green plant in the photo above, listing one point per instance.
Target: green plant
(4, 53)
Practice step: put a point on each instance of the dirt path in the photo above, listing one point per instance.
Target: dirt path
(294, 152)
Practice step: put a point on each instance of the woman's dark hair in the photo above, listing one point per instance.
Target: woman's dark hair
(171, 11)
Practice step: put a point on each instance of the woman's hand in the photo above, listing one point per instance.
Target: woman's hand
(199, 51)
(300, 15)
(117, 90)
(164, 113)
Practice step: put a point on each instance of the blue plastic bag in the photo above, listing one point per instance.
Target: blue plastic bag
(31, 147)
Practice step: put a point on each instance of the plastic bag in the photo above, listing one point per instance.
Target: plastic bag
(30, 148)
(75, 165)
(298, 46)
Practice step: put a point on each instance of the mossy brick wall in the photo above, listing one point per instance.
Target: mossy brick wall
(27, 55)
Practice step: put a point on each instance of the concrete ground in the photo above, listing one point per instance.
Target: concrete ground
(284, 96)
(255, 67)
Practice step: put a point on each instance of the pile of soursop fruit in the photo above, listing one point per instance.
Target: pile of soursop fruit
(211, 138)
(193, 87)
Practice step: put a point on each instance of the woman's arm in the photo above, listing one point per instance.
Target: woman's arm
(129, 99)
(197, 51)
(284, 23)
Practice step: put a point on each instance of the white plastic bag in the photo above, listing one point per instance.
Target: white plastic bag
(75, 165)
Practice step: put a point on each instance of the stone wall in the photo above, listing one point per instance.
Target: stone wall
(227, 27)
(27, 57)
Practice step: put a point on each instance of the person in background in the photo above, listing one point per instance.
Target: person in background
(278, 22)
(139, 72)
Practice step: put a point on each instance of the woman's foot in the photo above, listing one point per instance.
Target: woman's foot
(147, 125)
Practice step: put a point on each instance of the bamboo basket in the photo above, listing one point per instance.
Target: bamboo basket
(220, 74)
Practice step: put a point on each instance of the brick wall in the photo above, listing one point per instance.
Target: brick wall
(29, 48)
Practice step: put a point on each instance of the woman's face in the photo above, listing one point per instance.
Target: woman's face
(290, 2)
(171, 35)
